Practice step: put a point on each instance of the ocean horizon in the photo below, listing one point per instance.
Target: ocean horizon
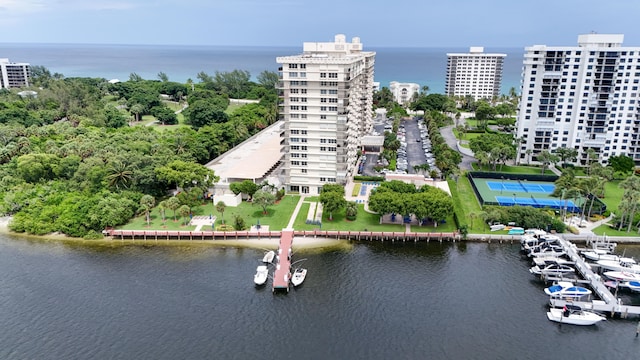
(421, 65)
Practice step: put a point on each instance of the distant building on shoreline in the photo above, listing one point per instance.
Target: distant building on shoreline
(403, 92)
(326, 97)
(14, 75)
(475, 73)
(581, 97)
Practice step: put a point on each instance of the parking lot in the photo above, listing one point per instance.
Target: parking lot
(415, 148)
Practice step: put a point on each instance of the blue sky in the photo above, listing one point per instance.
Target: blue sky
(422, 23)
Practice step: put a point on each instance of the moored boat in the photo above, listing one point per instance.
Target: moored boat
(600, 254)
(552, 270)
(268, 257)
(622, 264)
(632, 285)
(298, 276)
(574, 315)
(622, 276)
(261, 276)
(567, 289)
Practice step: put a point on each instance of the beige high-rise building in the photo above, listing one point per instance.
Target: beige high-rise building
(474, 73)
(13, 75)
(326, 100)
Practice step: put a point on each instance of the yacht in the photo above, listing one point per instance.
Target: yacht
(574, 315)
(624, 264)
(552, 270)
(566, 289)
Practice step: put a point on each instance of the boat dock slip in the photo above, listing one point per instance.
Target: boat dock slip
(608, 303)
(282, 274)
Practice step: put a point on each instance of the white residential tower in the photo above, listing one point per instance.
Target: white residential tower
(474, 73)
(582, 97)
(326, 99)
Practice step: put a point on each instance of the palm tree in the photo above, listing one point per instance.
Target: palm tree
(184, 211)
(162, 207)
(173, 203)
(631, 186)
(147, 202)
(220, 207)
(120, 174)
(351, 210)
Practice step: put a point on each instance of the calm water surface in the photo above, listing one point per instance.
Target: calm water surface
(375, 301)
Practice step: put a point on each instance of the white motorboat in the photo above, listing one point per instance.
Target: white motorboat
(298, 276)
(574, 315)
(566, 289)
(261, 276)
(552, 270)
(548, 251)
(269, 256)
(542, 261)
(622, 276)
(624, 264)
(600, 254)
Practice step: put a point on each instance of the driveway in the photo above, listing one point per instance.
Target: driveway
(450, 139)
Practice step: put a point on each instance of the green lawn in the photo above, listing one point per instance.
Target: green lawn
(604, 229)
(612, 195)
(466, 136)
(521, 169)
(465, 203)
(277, 217)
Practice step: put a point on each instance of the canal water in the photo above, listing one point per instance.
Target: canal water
(372, 301)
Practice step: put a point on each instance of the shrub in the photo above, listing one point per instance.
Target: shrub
(224, 227)
(573, 230)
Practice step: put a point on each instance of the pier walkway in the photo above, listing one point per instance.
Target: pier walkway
(282, 275)
(608, 303)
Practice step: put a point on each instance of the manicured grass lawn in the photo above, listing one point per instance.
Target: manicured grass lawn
(140, 222)
(612, 195)
(277, 217)
(466, 136)
(356, 189)
(604, 229)
(232, 107)
(513, 169)
(465, 203)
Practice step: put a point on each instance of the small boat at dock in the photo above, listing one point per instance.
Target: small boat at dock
(622, 264)
(574, 315)
(298, 276)
(552, 270)
(566, 289)
(269, 256)
(261, 276)
(622, 276)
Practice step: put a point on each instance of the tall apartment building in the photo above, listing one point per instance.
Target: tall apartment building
(582, 97)
(326, 100)
(474, 73)
(13, 75)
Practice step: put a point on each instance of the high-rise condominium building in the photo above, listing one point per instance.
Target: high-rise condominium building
(474, 73)
(13, 75)
(582, 97)
(326, 99)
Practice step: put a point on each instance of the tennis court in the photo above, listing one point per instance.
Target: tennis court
(537, 194)
(525, 186)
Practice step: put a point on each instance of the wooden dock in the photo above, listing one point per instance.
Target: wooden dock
(282, 275)
(608, 303)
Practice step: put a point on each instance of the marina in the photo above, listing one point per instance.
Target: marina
(607, 302)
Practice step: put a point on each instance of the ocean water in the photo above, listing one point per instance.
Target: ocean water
(373, 301)
(425, 66)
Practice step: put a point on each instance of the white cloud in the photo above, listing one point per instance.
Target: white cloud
(20, 6)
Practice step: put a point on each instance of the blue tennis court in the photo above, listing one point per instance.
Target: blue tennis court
(520, 186)
(535, 202)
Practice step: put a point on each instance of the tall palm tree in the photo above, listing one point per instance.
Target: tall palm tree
(147, 202)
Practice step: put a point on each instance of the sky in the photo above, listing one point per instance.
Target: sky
(378, 23)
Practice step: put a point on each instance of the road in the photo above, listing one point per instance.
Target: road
(450, 139)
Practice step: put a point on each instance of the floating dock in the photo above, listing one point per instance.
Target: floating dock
(609, 303)
(282, 275)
